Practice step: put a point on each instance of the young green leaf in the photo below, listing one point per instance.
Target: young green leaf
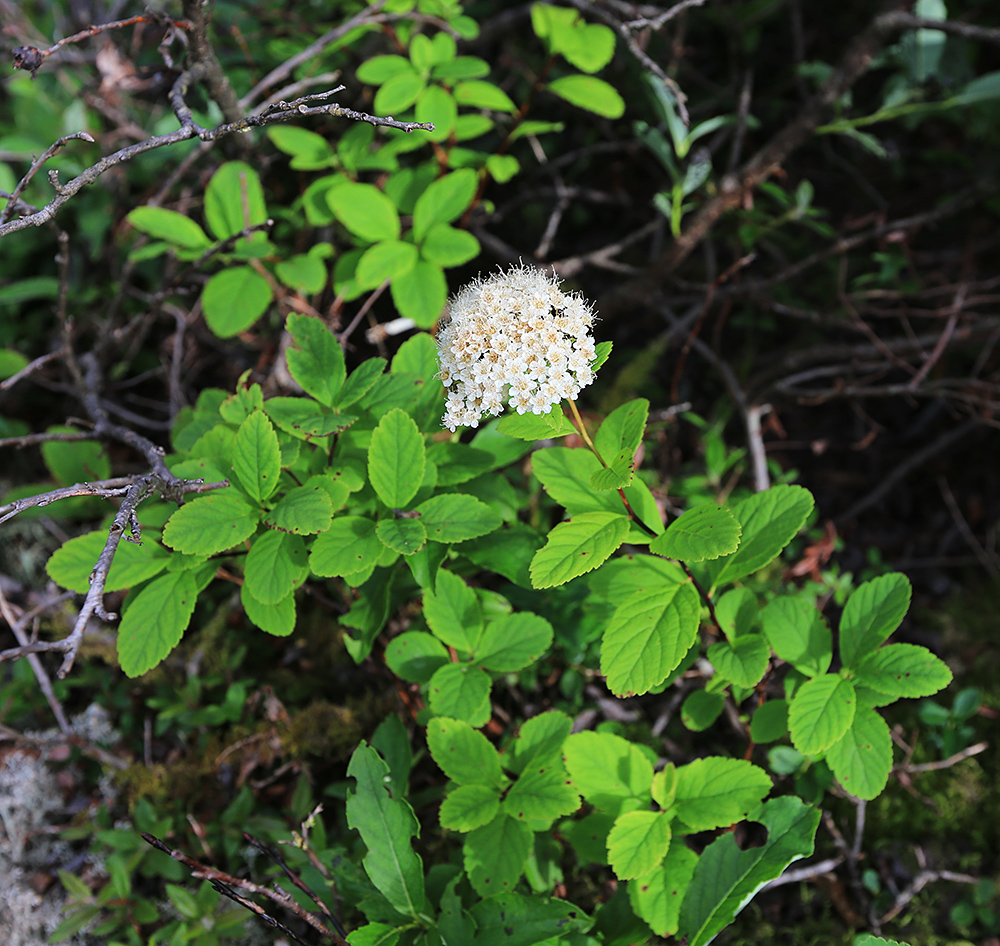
(541, 794)
(657, 896)
(903, 670)
(701, 709)
(648, 636)
(461, 691)
(155, 621)
(496, 853)
(453, 612)
(797, 633)
(703, 533)
(315, 358)
(469, 807)
(385, 260)
(638, 842)
(421, 293)
(821, 712)
(577, 547)
(365, 211)
(589, 93)
(234, 200)
(743, 661)
(513, 642)
(168, 225)
(716, 791)
(396, 459)
(726, 878)
(256, 457)
(386, 824)
(463, 754)
(539, 740)
(348, 546)
(610, 772)
(623, 428)
(536, 426)
(233, 299)
(275, 563)
(415, 656)
(457, 517)
(871, 614)
(360, 381)
(443, 201)
(862, 758)
(303, 510)
(617, 474)
(211, 524)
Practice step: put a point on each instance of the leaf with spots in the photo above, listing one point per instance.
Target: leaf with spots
(542, 793)
(496, 853)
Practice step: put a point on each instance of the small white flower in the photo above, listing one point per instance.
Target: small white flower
(514, 337)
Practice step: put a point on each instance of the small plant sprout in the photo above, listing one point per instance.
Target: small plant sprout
(514, 338)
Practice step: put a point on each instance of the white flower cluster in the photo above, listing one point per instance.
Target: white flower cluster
(513, 337)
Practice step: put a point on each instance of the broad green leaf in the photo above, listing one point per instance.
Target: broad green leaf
(638, 842)
(506, 552)
(743, 661)
(399, 93)
(737, 613)
(468, 807)
(608, 771)
(360, 381)
(386, 824)
(625, 576)
(233, 299)
(453, 612)
(726, 878)
(502, 167)
(664, 787)
(871, 614)
(348, 546)
(447, 246)
(589, 93)
(703, 533)
(617, 474)
(234, 200)
(496, 853)
(304, 419)
(415, 656)
(444, 200)
(305, 272)
(512, 919)
(168, 225)
(477, 93)
(455, 517)
(303, 510)
(11, 362)
(539, 740)
(460, 691)
(623, 428)
(315, 358)
(386, 260)
(365, 211)
(715, 792)
(463, 754)
(862, 758)
(458, 462)
(657, 896)
(903, 670)
(797, 633)
(649, 634)
(73, 562)
(72, 462)
(277, 618)
(538, 427)
(396, 459)
(701, 709)
(588, 836)
(275, 563)
(769, 520)
(256, 457)
(577, 547)
(335, 487)
(210, 524)
(421, 293)
(454, 924)
(374, 934)
(770, 721)
(513, 642)
(821, 712)
(406, 536)
(541, 794)
(380, 69)
(436, 104)
(309, 150)
(155, 621)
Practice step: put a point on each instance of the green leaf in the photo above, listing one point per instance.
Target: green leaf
(743, 661)
(576, 547)
(770, 520)
(649, 634)
(233, 299)
(903, 670)
(539, 740)
(365, 211)
(315, 358)
(72, 462)
(447, 246)
(386, 260)
(703, 533)
(610, 772)
(11, 362)
(444, 200)
(462, 692)
(303, 510)
(458, 462)
(513, 642)
(168, 225)
(453, 612)
(73, 562)
(361, 380)
(468, 807)
(701, 709)
(821, 712)
(477, 93)
(155, 621)
(617, 474)
(502, 167)
(304, 419)
(726, 878)
(512, 919)
(463, 754)
(374, 934)
(256, 457)
(638, 842)
(537, 427)
(623, 428)
(396, 459)
(386, 824)
(211, 524)
(770, 721)
(234, 200)
(593, 95)
(871, 614)
(657, 896)
(399, 93)
(495, 855)
(276, 618)
(309, 150)
(862, 758)
(421, 294)
(406, 536)
(415, 656)
(797, 633)
(541, 794)
(380, 69)
(274, 565)
(436, 104)
(456, 517)
(350, 545)
(715, 792)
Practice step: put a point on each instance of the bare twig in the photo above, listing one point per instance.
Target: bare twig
(36, 165)
(949, 762)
